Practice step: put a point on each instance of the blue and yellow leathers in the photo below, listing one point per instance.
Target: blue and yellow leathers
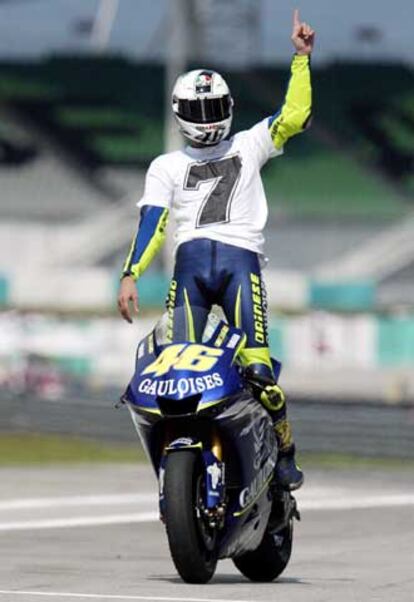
(208, 272)
(295, 113)
(147, 242)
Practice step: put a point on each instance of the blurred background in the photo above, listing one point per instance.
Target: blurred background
(85, 106)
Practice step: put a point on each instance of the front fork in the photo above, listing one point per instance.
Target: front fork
(213, 492)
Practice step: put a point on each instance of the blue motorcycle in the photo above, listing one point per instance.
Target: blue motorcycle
(213, 449)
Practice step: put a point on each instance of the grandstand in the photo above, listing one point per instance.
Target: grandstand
(368, 106)
(98, 112)
(37, 183)
(85, 129)
(78, 130)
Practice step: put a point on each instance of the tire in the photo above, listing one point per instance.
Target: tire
(270, 559)
(192, 546)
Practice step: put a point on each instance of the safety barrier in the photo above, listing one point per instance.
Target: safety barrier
(362, 428)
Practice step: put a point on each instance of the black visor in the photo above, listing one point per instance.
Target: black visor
(205, 110)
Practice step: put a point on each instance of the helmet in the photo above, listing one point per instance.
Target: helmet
(203, 106)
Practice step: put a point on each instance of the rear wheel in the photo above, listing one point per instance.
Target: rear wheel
(270, 559)
(192, 542)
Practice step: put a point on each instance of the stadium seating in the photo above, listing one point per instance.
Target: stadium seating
(357, 159)
(369, 107)
(330, 184)
(100, 113)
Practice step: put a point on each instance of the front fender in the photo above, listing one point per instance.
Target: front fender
(183, 443)
(213, 472)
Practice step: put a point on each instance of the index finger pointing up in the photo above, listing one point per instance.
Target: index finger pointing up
(296, 21)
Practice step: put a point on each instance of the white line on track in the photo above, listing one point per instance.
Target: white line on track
(80, 521)
(360, 502)
(78, 500)
(112, 597)
(342, 501)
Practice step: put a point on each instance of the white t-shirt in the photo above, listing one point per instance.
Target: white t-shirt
(215, 192)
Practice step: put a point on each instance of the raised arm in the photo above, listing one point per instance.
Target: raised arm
(294, 116)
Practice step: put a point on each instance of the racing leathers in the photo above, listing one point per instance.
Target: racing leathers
(219, 206)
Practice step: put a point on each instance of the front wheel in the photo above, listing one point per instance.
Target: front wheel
(270, 559)
(192, 543)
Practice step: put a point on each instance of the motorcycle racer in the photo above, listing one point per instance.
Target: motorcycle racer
(214, 190)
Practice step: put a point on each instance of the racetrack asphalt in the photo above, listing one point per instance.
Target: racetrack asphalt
(91, 533)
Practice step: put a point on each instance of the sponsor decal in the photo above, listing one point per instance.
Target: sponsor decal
(248, 494)
(210, 128)
(258, 314)
(182, 386)
(204, 82)
(172, 294)
(221, 336)
(161, 480)
(215, 473)
(234, 339)
(182, 441)
(210, 133)
(193, 358)
(151, 344)
(258, 434)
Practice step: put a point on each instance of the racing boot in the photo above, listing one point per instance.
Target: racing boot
(287, 473)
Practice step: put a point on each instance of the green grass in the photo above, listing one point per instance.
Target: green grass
(25, 449)
(37, 450)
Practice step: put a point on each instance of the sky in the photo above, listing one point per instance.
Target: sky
(38, 27)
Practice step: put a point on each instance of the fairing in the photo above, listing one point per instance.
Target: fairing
(179, 371)
(212, 412)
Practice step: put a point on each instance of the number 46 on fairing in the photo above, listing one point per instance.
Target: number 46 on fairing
(195, 358)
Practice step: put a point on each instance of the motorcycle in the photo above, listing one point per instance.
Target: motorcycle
(213, 449)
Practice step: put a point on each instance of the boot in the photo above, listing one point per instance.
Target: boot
(287, 473)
